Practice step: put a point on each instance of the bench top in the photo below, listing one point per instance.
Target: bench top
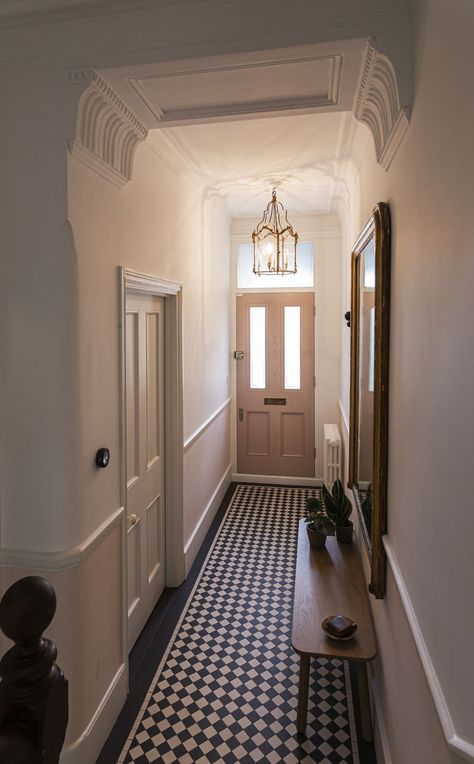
(330, 582)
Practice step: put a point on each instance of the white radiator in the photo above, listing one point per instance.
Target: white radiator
(332, 454)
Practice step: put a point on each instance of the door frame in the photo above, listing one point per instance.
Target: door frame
(140, 283)
(236, 239)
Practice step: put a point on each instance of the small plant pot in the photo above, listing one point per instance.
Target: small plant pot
(316, 540)
(344, 533)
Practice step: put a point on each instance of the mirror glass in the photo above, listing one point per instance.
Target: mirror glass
(366, 353)
(368, 456)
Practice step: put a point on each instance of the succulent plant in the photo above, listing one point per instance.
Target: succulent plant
(337, 505)
(317, 518)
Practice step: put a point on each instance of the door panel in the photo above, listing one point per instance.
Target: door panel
(133, 567)
(155, 538)
(144, 359)
(275, 384)
(153, 387)
(258, 433)
(292, 435)
(132, 395)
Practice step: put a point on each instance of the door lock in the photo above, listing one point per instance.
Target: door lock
(241, 415)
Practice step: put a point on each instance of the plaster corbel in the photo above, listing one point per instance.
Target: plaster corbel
(377, 104)
(107, 131)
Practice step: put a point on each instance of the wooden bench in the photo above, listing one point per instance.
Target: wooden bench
(331, 582)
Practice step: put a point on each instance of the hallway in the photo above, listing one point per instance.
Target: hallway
(226, 686)
(144, 137)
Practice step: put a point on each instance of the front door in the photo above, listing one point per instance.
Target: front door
(144, 359)
(275, 384)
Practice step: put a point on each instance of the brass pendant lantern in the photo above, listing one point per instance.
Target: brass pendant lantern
(274, 241)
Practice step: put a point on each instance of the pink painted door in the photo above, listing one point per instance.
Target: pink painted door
(275, 384)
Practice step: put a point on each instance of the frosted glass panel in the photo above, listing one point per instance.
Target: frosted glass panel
(292, 347)
(257, 347)
(246, 279)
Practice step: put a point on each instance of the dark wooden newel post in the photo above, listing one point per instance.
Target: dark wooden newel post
(33, 690)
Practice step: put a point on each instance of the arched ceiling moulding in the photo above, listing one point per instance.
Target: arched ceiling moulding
(107, 131)
(377, 104)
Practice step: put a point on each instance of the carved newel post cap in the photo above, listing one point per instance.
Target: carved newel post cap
(26, 609)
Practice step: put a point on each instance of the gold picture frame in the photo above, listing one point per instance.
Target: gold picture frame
(368, 436)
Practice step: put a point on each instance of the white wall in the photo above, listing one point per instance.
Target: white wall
(430, 522)
(325, 233)
(156, 225)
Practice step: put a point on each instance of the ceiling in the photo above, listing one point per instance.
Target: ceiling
(301, 155)
(246, 123)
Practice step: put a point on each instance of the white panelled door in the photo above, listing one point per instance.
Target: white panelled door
(144, 363)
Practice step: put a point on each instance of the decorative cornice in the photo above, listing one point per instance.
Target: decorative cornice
(377, 105)
(107, 131)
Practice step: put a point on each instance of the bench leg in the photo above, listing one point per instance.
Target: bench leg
(303, 694)
(364, 701)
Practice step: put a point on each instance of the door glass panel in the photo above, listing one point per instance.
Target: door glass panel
(257, 347)
(292, 347)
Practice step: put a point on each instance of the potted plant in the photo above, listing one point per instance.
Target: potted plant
(319, 525)
(338, 508)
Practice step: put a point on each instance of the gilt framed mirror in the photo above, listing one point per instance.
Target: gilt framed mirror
(368, 441)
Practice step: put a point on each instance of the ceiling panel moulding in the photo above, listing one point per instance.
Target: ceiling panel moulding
(245, 85)
(204, 94)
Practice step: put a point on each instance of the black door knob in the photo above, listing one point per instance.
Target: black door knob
(102, 457)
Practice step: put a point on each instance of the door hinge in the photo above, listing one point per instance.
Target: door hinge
(314, 310)
(314, 381)
(315, 452)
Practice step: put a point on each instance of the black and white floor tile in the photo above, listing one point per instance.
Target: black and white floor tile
(226, 688)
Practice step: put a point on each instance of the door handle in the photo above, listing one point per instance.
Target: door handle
(133, 520)
(241, 415)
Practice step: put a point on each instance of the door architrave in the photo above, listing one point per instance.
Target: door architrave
(140, 283)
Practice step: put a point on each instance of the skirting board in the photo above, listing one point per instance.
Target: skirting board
(87, 747)
(382, 748)
(238, 477)
(199, 534)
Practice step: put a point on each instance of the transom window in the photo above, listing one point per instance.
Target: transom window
(304, 276)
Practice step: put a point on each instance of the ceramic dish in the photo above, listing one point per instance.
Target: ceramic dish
(333, 636)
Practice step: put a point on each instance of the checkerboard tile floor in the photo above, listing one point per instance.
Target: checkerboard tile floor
(226, 689)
